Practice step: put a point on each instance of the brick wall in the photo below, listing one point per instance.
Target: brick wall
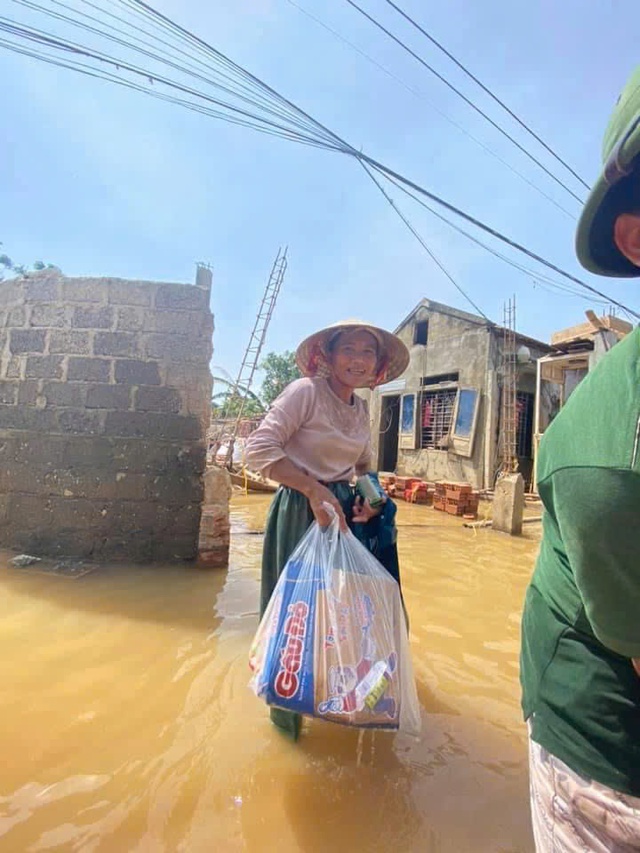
(104, 403)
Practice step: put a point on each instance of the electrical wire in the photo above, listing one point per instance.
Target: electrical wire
(154, 13)
(47, 40)
(431, 254)
(301, 127)
(111, 78)
(385, 170)
(551, 285)
(537, 283)
(276, 112)
(359, 155)
(417, 94)
(188, 69)
(602, 298)
(567, 289)
(489, 92)
(467, 100)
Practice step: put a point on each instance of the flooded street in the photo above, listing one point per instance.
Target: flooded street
(127, 725)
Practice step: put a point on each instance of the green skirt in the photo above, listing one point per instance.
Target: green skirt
(289, 518)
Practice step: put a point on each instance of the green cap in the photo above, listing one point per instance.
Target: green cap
(595, 245)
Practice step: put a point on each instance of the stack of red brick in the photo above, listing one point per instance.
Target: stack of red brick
(420, 493)
(410, 489)
(456, 499)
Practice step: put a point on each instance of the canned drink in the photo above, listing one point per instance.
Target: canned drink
(369, 489)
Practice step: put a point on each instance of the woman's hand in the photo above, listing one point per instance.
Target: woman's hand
(285, 472)
(320, 494)
(363, 512)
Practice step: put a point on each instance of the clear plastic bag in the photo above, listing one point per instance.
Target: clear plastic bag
(333, 640)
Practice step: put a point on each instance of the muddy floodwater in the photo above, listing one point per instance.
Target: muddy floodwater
(126, 723)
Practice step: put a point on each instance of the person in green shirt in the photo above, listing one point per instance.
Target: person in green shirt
(580, 656)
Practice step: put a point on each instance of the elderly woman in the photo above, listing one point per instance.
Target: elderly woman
(315, 438)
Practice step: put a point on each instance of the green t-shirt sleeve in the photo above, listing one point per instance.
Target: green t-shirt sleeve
(598, 515)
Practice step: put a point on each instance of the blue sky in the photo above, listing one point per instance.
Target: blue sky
(103, 181)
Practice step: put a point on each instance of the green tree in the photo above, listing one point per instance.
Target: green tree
(280, 369)
(225, 404)
(8, 266)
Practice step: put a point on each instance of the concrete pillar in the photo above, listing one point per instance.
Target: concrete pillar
(508, 504)
(204, 277)
(214, 523)
(603, 342)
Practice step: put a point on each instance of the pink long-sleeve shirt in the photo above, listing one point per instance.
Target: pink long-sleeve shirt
(313, 428)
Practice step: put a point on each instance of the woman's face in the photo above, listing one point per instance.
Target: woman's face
(354, 358)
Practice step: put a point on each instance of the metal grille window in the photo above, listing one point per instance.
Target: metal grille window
(437, 417)
(524, 431)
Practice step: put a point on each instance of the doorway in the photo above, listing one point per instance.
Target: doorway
(525, 402)
(388, 433)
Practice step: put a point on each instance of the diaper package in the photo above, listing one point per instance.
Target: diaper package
(333, 641)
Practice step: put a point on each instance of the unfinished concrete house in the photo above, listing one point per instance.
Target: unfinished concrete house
(574, 352)
(441, 419)
(105, 395)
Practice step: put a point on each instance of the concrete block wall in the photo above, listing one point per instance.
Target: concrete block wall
(105, 395)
